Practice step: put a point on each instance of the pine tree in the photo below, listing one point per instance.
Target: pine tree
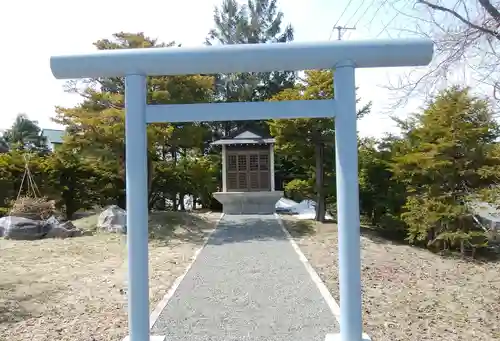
(448, 153)
(257, 22)
(24, 134)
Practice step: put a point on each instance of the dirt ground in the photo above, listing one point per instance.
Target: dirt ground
(75, 289)
(410, 294)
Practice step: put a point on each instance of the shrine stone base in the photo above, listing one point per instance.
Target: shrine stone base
(248, 202)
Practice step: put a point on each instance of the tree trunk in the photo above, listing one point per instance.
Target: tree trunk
(121, 201)
(70, 206)
(175, 202)
(161, 202)
(320, 175)
(430, 235)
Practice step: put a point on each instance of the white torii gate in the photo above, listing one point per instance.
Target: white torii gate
(342, 56)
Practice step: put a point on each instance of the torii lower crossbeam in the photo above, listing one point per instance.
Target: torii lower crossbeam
(342, 56)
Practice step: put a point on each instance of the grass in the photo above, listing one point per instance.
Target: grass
(75, 289)
(409, 293)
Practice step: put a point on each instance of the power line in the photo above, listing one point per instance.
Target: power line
(345, 9)
(388, 23)
(378, 9)
(364, 13)
(340, 29)
(355, 12)
(338, 20)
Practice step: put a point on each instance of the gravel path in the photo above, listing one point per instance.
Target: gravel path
(247, 284)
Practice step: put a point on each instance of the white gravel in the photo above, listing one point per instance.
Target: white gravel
(247, 284)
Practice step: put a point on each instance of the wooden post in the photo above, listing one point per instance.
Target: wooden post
(224, 168)
(271, 165)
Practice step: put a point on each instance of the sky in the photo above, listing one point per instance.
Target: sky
(35, 30)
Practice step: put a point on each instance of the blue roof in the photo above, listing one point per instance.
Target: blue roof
(53, 135)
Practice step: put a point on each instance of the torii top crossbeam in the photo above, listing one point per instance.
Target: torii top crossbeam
(242, 58)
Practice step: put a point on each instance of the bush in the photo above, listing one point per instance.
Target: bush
(392, 226)
(298, 190)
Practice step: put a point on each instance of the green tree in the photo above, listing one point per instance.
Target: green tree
(12, 176)
(310, 142)
(4, 146)
(72, 180)
(96, 126)
(202, 178)
(7, 179)
(24, 134)
(381, 196)
(256, 22)
(305, 140)
(449, 152)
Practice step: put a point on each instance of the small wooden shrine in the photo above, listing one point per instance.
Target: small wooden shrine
(248, 174)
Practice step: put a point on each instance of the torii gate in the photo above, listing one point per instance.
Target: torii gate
(342, 56)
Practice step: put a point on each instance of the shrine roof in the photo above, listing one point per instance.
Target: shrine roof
(246, 137)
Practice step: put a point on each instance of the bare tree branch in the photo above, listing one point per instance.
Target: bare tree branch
(462, 19)
(466, 35)
(488, 6)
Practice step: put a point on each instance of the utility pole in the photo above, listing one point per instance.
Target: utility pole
(340, 29)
